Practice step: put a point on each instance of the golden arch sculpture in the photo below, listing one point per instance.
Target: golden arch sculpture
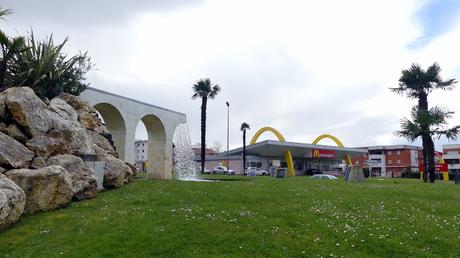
(287, 154)
(337, 141)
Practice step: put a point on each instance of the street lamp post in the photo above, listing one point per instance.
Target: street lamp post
(228, 126)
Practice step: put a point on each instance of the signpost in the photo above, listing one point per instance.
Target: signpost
(440, 167)
(369, 163)
(281, 172)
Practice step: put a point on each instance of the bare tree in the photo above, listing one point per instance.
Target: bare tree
(217, 146)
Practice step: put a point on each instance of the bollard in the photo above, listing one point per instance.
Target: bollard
(445, 176)
(457, 178)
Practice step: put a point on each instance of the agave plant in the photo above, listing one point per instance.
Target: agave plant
(47, 70)
(9, 48)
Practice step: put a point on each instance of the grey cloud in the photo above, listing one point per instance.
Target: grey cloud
(89, 12)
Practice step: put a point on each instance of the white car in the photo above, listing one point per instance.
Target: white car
(257, 171)
(222, 170)
(324, 176)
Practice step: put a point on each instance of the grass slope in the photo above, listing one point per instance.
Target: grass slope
(259, 217)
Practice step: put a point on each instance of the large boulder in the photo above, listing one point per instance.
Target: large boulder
(13, 154)
(61, 107)
(28, 110)
(51, 132)
(101, 145)
(87, 115)
(46, 188)
(65, 137)
(84, 184)
(12, 202)
(116, 172)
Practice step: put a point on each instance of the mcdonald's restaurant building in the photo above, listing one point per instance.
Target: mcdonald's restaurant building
(269, 155)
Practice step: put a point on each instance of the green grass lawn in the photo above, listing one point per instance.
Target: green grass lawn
(256, 217)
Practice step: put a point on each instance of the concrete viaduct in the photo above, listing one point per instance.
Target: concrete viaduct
(121, 116)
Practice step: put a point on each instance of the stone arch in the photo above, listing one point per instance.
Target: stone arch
(337, 141)
(287, 154)
(116, 125)
(159, 162)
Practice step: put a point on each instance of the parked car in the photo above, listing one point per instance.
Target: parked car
(313, 171)
(257, 171)
(222, 170)
(323, 176)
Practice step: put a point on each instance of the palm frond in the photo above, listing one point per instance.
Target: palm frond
(244, 126)
(409, 130)
(4, 12)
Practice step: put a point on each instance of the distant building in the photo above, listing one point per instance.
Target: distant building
(390, 160)
(270, 155)
(141, 150)
(208, 153)
(452, 157)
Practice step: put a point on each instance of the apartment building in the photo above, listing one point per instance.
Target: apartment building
(140, 152)
(451, 153)
(390, 160)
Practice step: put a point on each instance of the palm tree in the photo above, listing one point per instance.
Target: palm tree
(244, 127)
(204, 89)
(416, 83)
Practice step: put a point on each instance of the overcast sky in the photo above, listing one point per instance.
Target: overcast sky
(303, 67)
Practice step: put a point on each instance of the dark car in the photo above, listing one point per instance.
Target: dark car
(313, 171)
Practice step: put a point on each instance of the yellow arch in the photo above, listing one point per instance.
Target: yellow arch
(265, 129)
(337, 141)
(287, 154)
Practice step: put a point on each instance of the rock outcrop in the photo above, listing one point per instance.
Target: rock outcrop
(28, 110)
(12, 201)
(45, 188)
(61, 107)
(87, 115)
(101, 145)
(116, 172)
(13, 154)
(84, 185)
(41, 145)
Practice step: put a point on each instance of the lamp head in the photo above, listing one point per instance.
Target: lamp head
(228, 104)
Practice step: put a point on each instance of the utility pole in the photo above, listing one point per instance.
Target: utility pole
(228, 131)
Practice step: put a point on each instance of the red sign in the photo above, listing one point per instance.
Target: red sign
(438, 154)
(441, 167)
(317, 153)
(438, 167)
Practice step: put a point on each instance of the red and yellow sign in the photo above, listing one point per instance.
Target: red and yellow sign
(318, 153)
(439, 167)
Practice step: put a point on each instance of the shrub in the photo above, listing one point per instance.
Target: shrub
(47, 70)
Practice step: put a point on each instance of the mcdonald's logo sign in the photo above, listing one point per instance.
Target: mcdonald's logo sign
(317, 153)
